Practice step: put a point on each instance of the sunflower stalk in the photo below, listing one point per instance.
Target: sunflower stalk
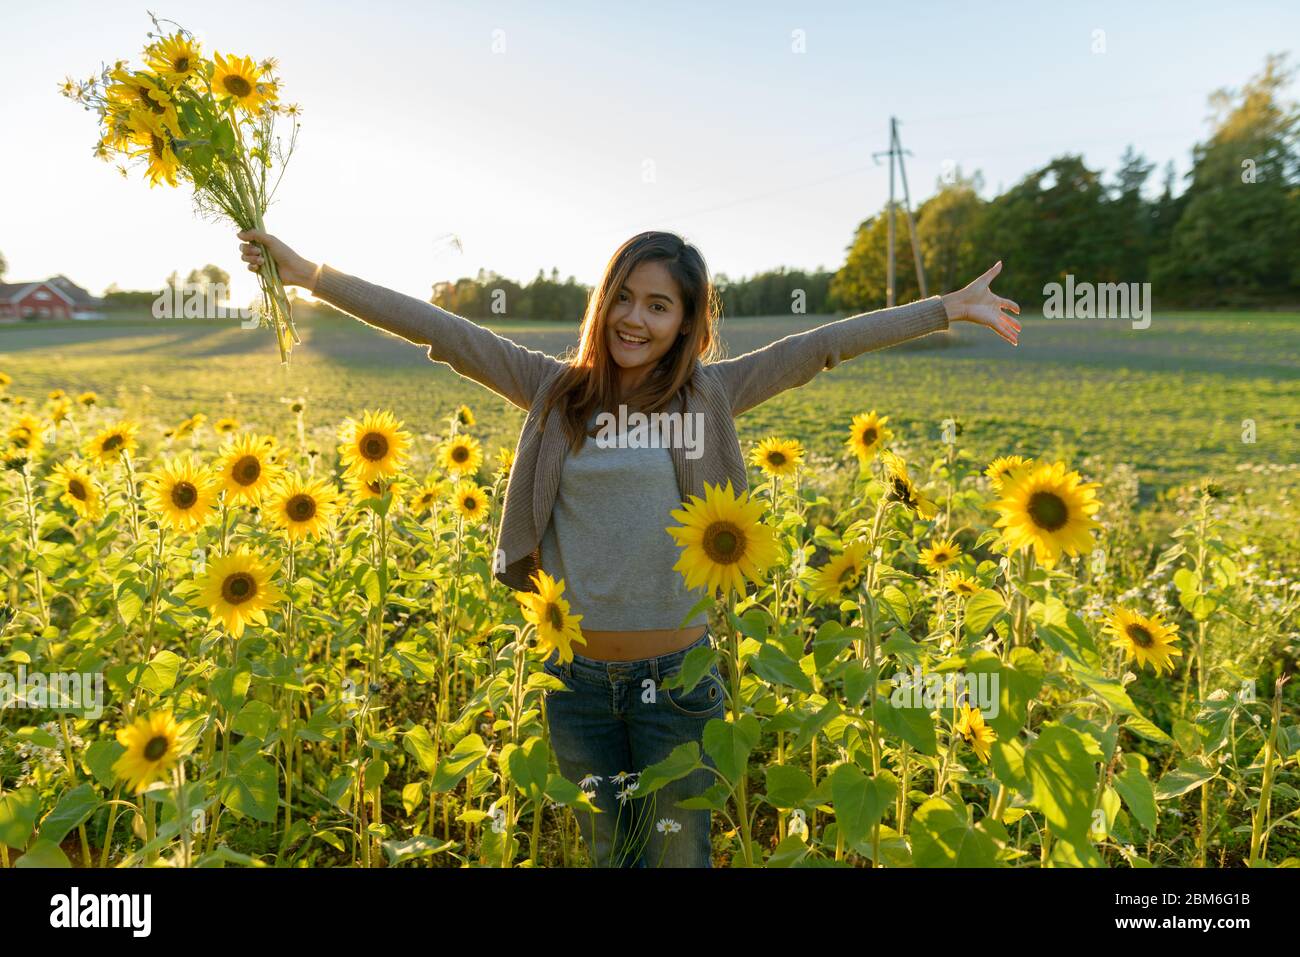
(1260, 813)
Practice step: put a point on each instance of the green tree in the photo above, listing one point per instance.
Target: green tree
(947, 224)
(1130, 217)
(1050, 224)
(1236, 240)
(862, 281)
(208, 277)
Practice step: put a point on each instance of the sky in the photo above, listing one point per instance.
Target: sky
(544, 135)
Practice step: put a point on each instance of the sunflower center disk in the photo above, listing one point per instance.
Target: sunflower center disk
(724, 543)
(555, 616)
(238, 86)
(1140, 636)
(301, 508)
(112, 442)
(238, 588)
(247, 470)
(77, 490)
(374, 446)
(156, 748)
(184, 495)
(1048, 511)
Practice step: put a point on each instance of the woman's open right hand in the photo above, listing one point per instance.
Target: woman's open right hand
(294, 269)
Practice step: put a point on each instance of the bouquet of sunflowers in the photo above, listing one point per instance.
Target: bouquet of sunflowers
(207, 123)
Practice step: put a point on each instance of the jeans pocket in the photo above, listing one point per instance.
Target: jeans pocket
(556, 670)
(705, 700)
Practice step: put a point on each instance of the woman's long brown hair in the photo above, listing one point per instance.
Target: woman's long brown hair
(590, 384)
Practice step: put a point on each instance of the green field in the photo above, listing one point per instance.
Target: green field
(1169, 400)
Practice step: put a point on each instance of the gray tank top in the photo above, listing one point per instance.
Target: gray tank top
(607, 539)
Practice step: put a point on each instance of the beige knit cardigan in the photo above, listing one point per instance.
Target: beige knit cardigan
(721, 390)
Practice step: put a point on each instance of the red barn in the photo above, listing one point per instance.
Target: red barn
(56, 298)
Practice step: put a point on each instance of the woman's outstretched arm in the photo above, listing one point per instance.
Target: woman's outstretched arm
(757, 376)
(504, 366)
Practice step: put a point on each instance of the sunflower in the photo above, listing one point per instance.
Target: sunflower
(152, 749)
(900, 487)
(27, 434)
(964, 585)
(5, 380)
(841, 574)
(135, 92)
(149, 141)
(374, 447)
(246, 469)
(56, 394)
(239, 81)
(422, 498)
(14, 458)
(777, 456)
(1149, 640)
(469, 500)
(176, 58)
(361, 491)
(461, 455)
(549, 611)
(940, 555)
(1003, 466)
(1048, 508)
(237, 589)
(302, 507)
(465, 417)
(87, 399)
(975, 732)
(182, 492)
(187, 426)
(867, 433)
(80, 492)
(225, 425)
(112, 443)
(505, 460)
(59, 410)
(723, 542)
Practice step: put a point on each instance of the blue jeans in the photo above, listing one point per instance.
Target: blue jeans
(613, 722)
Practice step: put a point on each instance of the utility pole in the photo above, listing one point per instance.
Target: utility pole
(896, 150)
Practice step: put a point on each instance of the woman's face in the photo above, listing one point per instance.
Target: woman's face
(644, 320)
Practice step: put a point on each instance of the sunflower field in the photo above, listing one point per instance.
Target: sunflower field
(930, 660)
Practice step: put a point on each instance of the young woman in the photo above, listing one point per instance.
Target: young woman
(594, 513)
